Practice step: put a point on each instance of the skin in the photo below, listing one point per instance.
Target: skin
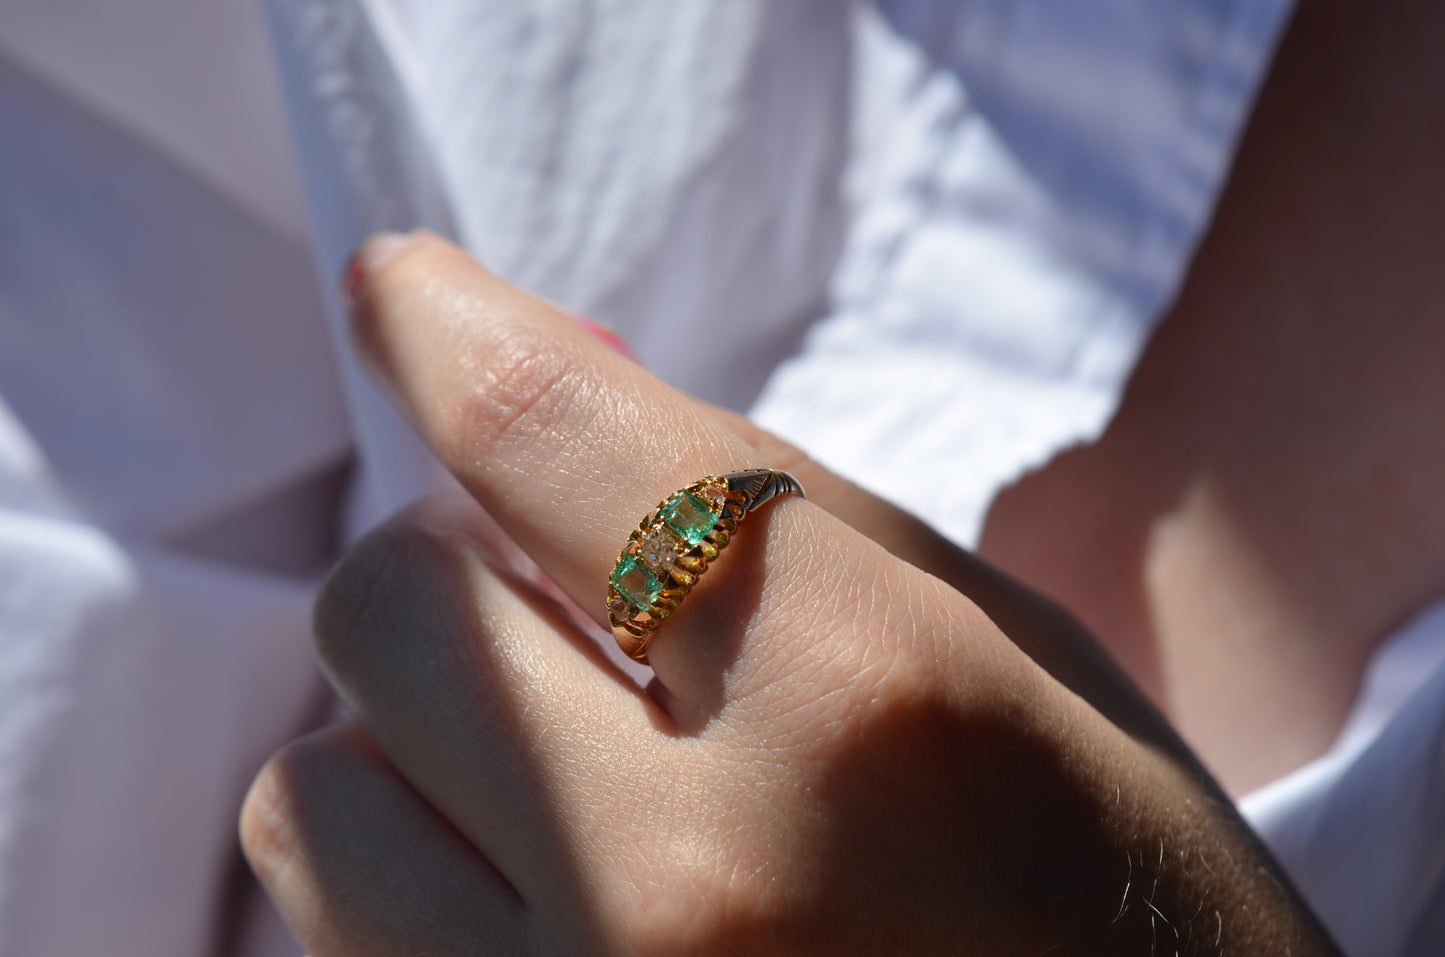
(840, 753)
(1265, 507)
(861, 739)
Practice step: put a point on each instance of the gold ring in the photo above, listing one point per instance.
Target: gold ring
(674, 545)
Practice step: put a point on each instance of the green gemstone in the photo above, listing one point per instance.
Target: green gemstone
(689, 516)
(635, 582)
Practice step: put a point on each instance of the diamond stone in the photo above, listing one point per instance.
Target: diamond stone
(713, 496)
(689, 516)
(658, 549)
(635, 582)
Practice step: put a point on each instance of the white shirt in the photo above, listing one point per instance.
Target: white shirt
(930, 240)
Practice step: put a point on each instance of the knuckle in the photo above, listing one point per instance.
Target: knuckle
(529, 390)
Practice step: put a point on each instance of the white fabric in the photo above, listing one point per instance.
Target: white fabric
(168, 407)
(1024, 182)
(1044, 172)
(1362, 828)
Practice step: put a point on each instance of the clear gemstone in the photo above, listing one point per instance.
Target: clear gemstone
(712, 496)
(658, 549)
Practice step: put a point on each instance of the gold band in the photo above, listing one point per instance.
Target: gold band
(674, 545)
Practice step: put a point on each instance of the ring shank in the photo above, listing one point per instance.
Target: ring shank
(761, 486)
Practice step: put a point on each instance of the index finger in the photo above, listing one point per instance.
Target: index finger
(567, 443)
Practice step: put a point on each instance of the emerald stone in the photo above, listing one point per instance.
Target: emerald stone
(689, 516)
(635, 582)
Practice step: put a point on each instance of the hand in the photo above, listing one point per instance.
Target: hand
(840, 753)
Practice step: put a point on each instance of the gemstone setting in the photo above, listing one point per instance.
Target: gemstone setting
(713, 496)
(635, 583)
(689, 516)
(658, 549)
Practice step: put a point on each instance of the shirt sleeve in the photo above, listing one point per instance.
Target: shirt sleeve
(1032, 179)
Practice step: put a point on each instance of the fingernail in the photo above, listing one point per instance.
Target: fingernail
(606, 335)
(372, 255)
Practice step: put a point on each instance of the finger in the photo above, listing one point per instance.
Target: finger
(360, 865)
(469, 686)
(1044, 631)
(568, 443)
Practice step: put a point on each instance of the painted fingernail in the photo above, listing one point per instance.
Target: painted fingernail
(606, 335)
(372, 255)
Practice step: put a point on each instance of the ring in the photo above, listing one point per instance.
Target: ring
(674, 545)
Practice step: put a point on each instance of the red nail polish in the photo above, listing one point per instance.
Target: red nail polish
(606, 335)
(352, 279)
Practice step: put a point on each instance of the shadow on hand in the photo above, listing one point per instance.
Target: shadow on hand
(951, 834)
